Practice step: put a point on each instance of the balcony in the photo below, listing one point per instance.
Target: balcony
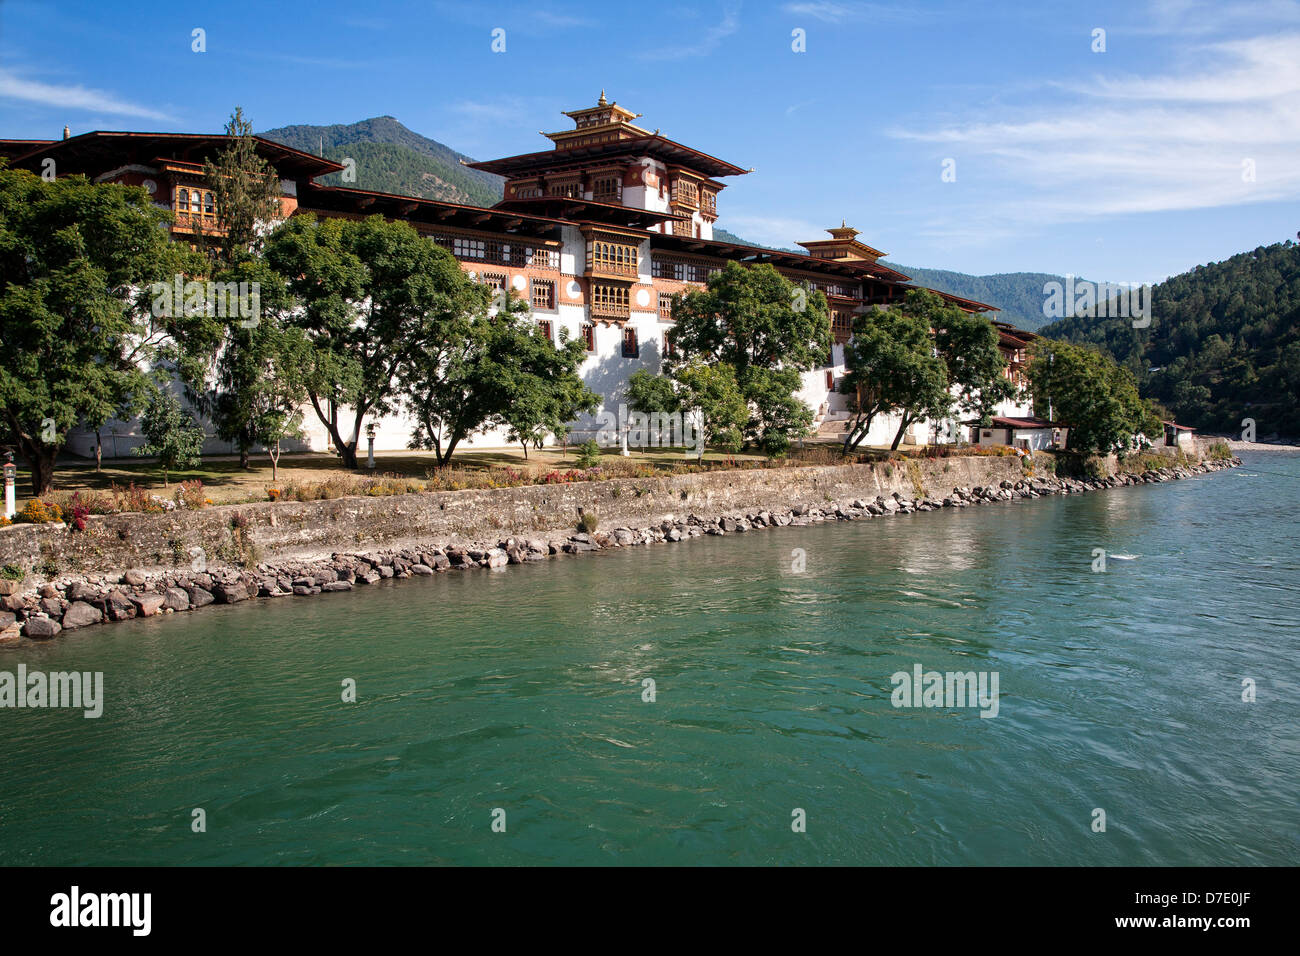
(610, 311)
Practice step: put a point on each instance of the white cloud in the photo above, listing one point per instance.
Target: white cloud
(71, 97)
(707, 42)
(1136, 144)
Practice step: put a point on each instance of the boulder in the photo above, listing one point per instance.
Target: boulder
(199, 597)
(231, 593)
(11, 634)
(496, 558)
(118, 607)
(337, 586)
(81, 614)
(421, 569)
(134, 577)
(81, 591)
(149, 604)
(41, 628)
(176, 599)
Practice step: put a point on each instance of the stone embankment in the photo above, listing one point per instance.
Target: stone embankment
(73, 602)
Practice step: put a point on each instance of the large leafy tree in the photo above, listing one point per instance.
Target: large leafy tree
(892, 367)
(968, 346)
(76, 332)
(491, 371)
(372, 296)
(768, 331)
(1097, 399)
(542, 390)
(711, 394)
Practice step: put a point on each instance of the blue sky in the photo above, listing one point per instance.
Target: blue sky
(1126, 165)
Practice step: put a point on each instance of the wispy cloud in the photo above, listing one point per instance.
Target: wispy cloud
(1123, 145)
(1212, 17)
(831, 12)
(706, 43)
(14, 87)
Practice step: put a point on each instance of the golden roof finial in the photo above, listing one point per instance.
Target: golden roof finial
(602, 101)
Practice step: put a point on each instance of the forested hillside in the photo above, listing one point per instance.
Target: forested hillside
(392, 159)
(1223, 344)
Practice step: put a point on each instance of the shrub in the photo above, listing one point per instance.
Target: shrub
(134, 499)
(273, 494)
(588, 522)
(40, 512)
(190, 494)
(12, 572)
(588, 454)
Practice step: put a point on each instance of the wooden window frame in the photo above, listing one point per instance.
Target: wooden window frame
(548, 287)
(634, 349)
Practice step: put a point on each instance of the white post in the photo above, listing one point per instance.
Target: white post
(370, 459)
(11, 476)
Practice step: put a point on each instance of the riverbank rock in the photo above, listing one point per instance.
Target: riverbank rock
(41, 628)
(147, 605)
(81, 614)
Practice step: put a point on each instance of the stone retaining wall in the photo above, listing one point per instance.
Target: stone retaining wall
(466, 530)
(278, 530)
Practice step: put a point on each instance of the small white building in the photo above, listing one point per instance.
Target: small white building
(1178, 436)
(1027, 433)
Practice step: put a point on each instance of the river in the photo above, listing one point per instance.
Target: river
(522, 691)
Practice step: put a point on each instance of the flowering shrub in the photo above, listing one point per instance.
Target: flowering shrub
(78, 511)
(190, 494)
(135, 499)
(273, 494)
(40, 512)
(4, 522)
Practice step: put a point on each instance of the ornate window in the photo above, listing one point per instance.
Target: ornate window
(195, 203)
(512, 253)
(665, 306)
(631, 348)
(607, 188)
(463, 247)
(589, 336)
(545, 326)
(841, 325)
(543, 294)
(569, 190)
(685, 192)
(681, 270)
(611, 301)
(612, 258)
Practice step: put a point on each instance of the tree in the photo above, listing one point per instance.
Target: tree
(374, 295)
(651, 394)
(968, 345)
(541, 387)
(492, 371)
(768, 331)
(892, 367)
(712, 394)
(75, 330)
(173, 436)
(1092, 395)
(246, 190)
(228, 359)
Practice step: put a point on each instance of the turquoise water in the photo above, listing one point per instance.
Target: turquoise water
(522, 690)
